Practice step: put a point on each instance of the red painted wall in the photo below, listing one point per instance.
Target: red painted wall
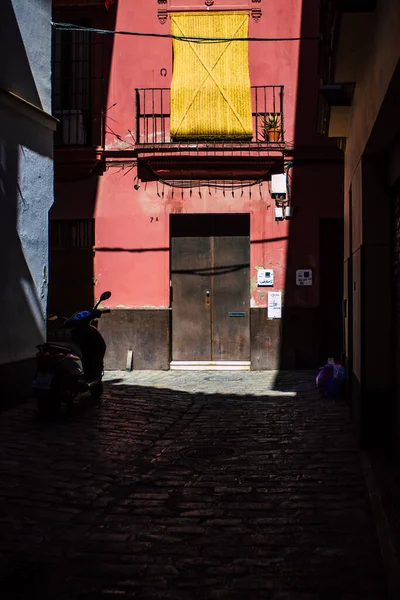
(132, 227)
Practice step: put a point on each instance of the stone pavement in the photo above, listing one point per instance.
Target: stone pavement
(183, 485)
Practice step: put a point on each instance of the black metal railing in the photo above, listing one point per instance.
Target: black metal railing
(153, 116)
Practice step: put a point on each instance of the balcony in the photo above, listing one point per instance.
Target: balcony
(153, 122)
(204, 159)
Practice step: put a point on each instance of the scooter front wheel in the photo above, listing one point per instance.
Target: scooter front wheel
(48, 403)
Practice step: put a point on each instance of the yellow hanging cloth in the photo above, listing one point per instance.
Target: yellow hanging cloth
(210, 90)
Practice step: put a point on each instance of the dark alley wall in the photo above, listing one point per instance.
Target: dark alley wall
(372, 176)
(26, 187)
(312, 323)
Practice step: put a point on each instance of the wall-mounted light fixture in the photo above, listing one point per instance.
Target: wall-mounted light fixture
(278, 186)
(281, 193)
(288, 212)
(278, 193)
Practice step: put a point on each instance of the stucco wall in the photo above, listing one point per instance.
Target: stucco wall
(25, 45)
(132, 234)
(132, 226)
(26, 174)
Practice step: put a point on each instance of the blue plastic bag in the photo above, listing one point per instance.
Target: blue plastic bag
(330, 380)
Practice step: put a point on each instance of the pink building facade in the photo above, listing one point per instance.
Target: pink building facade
(184, 231)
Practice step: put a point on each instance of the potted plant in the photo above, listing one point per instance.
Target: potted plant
(271, 127)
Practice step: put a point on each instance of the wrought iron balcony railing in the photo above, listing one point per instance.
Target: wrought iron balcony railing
(153, 119)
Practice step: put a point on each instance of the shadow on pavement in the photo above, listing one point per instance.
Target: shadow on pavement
(166, 494)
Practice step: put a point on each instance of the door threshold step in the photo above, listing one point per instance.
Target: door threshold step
(205, 365)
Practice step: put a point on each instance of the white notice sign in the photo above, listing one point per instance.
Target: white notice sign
(274, 305)
(265, 277)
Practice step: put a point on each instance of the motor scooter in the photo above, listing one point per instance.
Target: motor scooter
(68, 368)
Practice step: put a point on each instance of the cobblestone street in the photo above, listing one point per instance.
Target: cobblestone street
(181, 485)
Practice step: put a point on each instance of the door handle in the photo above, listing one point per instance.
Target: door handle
(207, 300)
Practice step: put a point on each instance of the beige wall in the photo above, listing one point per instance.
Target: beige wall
(354, 37)
(357, 316)
(357, 217)
(373, 82)
(371, 282)
(368, 242)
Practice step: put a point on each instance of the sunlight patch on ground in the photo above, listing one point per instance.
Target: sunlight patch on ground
(252, 383)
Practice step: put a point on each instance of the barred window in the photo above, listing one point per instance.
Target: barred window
(72, 85)
(72, 233)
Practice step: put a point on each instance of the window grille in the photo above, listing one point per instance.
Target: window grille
(78, 87)
(72, 233)
(72, 85)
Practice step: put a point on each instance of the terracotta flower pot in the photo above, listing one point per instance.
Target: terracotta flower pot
(274, 135)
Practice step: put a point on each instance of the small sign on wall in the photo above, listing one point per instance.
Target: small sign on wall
(303, 277)
(265, 277)
(274, 305)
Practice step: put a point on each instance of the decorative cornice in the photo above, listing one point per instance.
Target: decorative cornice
(162, 12)
(256, 13)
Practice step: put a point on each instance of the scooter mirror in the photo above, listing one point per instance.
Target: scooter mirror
(105, 296)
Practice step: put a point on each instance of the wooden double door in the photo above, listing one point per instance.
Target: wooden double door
(210, 288)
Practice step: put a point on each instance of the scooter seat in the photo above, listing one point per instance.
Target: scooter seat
(66, 348)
